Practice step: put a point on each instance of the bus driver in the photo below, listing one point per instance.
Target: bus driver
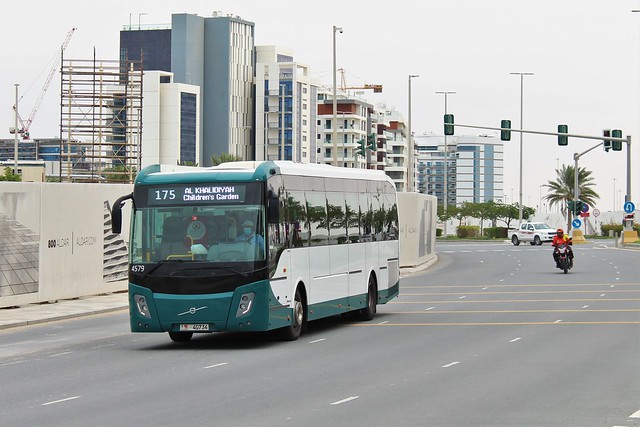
(249, 235)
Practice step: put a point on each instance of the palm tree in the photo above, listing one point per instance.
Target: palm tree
(561, 191)
(223, 158)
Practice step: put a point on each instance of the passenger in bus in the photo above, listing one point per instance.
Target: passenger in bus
(249, 234)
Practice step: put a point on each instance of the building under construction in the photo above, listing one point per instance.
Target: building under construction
(100, 120)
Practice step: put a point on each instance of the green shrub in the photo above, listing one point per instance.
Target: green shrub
(439, 232)
(605, 228)
(496, 232)
(468, 231)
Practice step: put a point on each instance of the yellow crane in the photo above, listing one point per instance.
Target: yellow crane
(343, 84)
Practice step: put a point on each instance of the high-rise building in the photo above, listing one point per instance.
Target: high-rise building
(216, 54)
(151, 45)
(475, 166)
(286, 107)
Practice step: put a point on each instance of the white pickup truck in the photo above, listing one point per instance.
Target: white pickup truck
(533, 232)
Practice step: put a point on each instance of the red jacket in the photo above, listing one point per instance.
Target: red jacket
(560, 240)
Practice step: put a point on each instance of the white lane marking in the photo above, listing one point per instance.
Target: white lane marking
(585, 306)
(383, 323)
(515, 339)
(12, 363)
(600, 294)
(635, 414)
(348, 399)
(485, 288)
(60, 354)
(450, 364)
(431, 308)
(464, 296)
(60, 401)
(324, 339)
(558, 321)
(216, 365)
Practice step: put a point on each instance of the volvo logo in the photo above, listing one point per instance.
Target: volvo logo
(192, 310)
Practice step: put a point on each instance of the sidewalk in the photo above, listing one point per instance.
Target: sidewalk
(63, 309)
(30, 314)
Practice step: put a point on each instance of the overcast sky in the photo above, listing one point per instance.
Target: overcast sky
(585, 56)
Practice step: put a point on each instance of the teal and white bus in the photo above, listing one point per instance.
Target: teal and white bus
(325, 243)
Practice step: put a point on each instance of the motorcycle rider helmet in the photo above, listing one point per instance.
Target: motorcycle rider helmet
(560, 232)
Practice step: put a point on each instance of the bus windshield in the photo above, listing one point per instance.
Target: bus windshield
(226, 233)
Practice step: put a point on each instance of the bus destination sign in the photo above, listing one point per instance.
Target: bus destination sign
(197, 194)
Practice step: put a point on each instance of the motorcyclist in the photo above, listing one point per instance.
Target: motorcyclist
(562, 239)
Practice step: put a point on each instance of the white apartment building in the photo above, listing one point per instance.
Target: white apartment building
(286, 107)
(396, 151)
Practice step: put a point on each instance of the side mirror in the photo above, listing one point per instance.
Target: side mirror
(116, 214)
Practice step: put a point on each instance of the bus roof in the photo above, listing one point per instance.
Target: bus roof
(250, 171)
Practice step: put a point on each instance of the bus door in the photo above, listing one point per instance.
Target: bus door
(327, 286)
(357, 255)
(338, 246)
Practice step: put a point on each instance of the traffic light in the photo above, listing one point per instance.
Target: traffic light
(371, 142)
(616, 145)
(505, 132)
(607, 142)
(448, 124)
(361, 147)
(575, 206)
(563, 139)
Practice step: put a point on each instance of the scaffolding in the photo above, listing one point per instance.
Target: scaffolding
(100, 120)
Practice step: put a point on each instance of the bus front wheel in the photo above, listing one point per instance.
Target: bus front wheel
(292, 332)
(180, 336)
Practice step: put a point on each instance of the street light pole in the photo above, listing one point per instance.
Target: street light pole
(410, 178)
(334, 136)
(521, 127)
(15, 137)
(446, 165)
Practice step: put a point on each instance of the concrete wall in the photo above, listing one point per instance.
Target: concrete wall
(56, 241)
(417, 216)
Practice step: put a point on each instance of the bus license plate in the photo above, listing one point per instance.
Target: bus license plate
(194, 327)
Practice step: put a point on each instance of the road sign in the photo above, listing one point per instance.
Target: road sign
(596, 212)
(629, 207)
(585, 208)
(584, 214)
(576, 223)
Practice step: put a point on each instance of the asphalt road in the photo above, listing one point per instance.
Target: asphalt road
(492, 335)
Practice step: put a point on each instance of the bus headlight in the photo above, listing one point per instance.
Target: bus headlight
(246, 303)
(141, 304)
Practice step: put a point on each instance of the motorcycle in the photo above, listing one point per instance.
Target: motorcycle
(564, 262)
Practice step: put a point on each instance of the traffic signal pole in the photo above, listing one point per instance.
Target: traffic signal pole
(627, 139)
(576, 188)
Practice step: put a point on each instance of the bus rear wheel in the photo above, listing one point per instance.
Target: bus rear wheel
(292, 332)
(180, 336)
(369, 311)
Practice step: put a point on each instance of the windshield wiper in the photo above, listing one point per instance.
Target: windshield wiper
(215, 267)
(161, 262)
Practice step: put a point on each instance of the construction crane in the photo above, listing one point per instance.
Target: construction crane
(25, 124)
(343, 84)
